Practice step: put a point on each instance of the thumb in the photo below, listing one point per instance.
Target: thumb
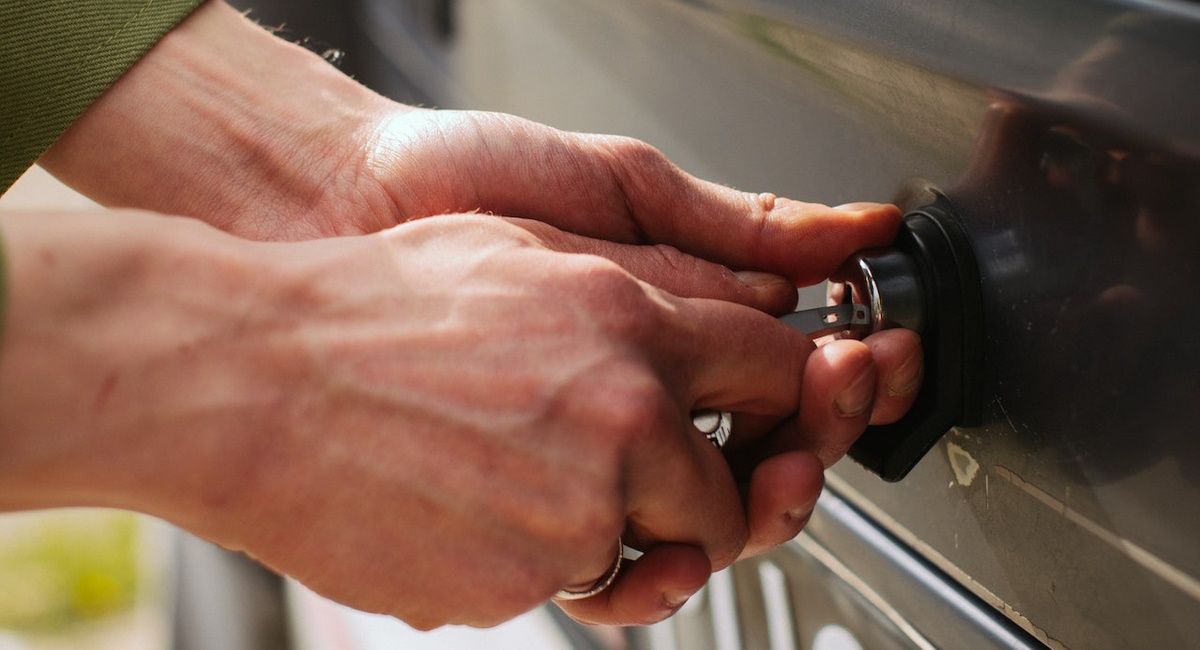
(804, 242)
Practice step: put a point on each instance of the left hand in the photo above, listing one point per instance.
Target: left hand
(227, 123)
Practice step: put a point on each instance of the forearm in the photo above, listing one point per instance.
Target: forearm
(106, 389)
(222, 119)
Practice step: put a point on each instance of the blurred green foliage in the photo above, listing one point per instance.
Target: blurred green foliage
(57, 569)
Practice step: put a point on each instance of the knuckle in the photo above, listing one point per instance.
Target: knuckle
(636, 324)
(689, 273)
(593, 518)
(674, 260)
(634, 406)
(616, 301)
(638, 167)
(592, 272)
(635, 153)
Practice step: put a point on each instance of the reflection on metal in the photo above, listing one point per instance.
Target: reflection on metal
(930, 601)
(835, 565)
(661, 636)
(835, 637)
(781, 628)
(841, 486)
(1170, 574)
(725, 617)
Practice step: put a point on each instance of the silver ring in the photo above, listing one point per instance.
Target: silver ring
(717, 426)
(604, 582)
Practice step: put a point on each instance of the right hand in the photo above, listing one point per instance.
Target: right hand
(472, 419)
(446, 421)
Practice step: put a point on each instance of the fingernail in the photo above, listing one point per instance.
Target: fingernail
(765, 284)
(907, 378)
(857, 398)
(759, 280)
(673, 600)
(854, 207)
(799, 514)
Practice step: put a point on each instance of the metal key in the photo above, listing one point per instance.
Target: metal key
(823, 321)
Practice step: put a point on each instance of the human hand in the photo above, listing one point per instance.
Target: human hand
(446, 421)
(568, 422)
(227, 123)
(342, 161)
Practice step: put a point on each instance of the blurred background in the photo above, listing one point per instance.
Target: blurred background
(78, 579)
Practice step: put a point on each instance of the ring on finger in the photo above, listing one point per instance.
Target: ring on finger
(604, 582)
(717, 426)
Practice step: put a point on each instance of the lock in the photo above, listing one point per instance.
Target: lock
(927, 281)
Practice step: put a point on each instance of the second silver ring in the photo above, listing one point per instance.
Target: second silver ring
(717, 426)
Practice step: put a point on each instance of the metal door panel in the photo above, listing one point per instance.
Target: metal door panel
(845, 573)
(1068, 131)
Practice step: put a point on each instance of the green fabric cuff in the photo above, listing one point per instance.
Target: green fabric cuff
(3, 287)
(59, 56)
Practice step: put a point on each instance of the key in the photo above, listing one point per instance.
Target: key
(823, 321)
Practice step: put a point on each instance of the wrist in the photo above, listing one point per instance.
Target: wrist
(118, 383)
(225, 122)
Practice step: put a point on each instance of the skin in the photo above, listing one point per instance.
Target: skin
(437, 361)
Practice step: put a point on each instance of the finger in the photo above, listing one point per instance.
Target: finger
(783, 491)
(838, 395)
(731, 358)
(899, 367)
(680, 490)
(625, 190)
(837, 402)
(750, 428)
(676, 486)
(676, 272)
(804, 242)
(648, 589)
(594, 571)
(835, 406)
(711, 355)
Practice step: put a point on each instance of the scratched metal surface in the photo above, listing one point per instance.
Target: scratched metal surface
(1069, 133)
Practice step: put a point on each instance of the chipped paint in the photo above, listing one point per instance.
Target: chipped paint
(964, 465)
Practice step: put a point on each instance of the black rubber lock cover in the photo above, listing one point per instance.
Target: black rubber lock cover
(951, 392)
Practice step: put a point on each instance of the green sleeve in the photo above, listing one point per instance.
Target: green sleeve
(58, 56)
(3, 285)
